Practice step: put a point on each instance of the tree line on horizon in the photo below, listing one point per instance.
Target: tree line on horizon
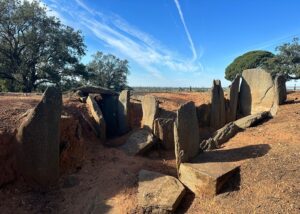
(37, 50)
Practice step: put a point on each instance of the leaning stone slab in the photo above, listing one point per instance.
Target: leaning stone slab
(233, 99)
(217, 116)
(164, 131)
(38, 139)
(150, 111)
(186, 133)
(257, 93)
(159, 193)
(100, 125)
(138, 142)
(206, 179)
(222, 135)
(123, 111)
(251, 120)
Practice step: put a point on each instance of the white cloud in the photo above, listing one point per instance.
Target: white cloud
(127, 40)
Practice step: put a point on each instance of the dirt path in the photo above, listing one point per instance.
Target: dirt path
(107, 181)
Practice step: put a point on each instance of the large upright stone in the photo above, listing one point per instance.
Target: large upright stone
(159, 193)
(280, 89)
(233, 99)
(150, 111)
(38, 138)
(186, 133)
(217, 116)
(257, 93)
(123, 111)
(99, 122)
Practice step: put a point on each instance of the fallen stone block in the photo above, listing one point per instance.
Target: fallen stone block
(159, 193)
(206, 179)
(138, 142)
(251, 120)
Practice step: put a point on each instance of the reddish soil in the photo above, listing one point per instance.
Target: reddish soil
(106, 182)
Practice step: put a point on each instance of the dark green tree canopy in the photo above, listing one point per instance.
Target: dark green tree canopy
(35, 48)
(286, 61)
(252, 59)
(108, 71)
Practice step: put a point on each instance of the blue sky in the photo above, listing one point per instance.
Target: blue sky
(179, 43)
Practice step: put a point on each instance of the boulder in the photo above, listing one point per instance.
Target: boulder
(217, 115)
(150, 111)
(159, 193)
(99, 122)
(257, 92)
(206, 179)
(38, 140)
(186, 133)
(109, 108)
(164, 131)
(233, 99)
(280, 89)
(251, 120)
(123, 111)
(138, 142)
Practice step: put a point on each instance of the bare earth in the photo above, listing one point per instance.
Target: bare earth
(269, 180)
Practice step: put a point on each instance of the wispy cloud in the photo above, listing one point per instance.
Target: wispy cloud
(192, 46)
(127, 40)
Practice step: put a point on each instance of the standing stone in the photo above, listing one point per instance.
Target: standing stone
(257, 93)
(163, 130)
(150, 111)
(109, 108)
(123, 111)
(99, 122)
(38, 139)
(159, 193)
(217, 116)
(233, 99)
(186, 133)
(280, 88)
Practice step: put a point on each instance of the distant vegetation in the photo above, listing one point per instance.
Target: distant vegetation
(286, 61)
(37, 50)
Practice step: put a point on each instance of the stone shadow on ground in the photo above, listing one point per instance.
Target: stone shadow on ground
(232, 155)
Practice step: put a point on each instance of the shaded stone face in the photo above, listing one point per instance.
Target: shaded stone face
(123, 111)
(217, 116)
(159, 193)
(280, 89)
(163, 129)
(257, 93)
(150, 111)
(233, 99)
(186, 133)
(38, 140)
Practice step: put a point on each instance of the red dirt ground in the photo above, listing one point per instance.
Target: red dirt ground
(107, 181)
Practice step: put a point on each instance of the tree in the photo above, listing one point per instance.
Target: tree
(286, 61)
(35, 48)
(108, 71)
(252, 59)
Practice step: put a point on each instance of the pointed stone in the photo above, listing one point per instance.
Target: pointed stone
(233, 99)
(38, 140)
(217, 116)
(123, 111)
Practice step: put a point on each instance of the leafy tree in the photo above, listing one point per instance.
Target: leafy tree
(286, 61)
(252, 59)
(108, 71)
(35, 48)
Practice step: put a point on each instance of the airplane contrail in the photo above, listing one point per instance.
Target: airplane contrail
(186, 30)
